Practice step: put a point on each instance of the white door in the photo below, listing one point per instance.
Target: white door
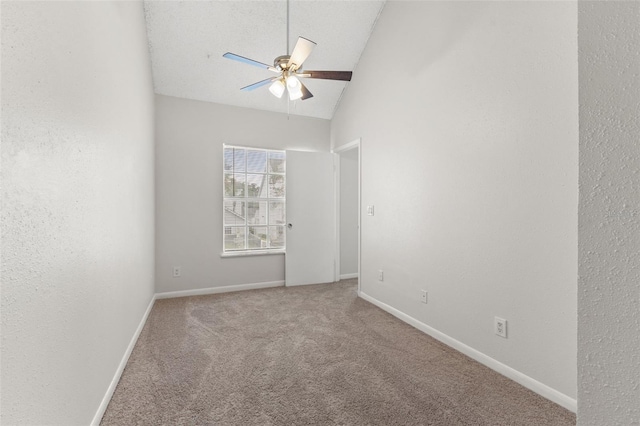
(311, 235)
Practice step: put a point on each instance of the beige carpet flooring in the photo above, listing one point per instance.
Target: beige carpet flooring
(312, 355)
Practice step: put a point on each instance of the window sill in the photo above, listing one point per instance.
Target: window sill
(251, 253)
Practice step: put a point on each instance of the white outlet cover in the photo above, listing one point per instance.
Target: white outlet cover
(500, 327)
(423, 296)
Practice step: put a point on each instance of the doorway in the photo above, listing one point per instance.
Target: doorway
(348, 212)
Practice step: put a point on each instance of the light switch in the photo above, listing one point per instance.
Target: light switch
(369, 210)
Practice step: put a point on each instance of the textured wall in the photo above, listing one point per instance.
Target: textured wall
(470, 156)
(609, 214)
(189, 137)
(77, 203)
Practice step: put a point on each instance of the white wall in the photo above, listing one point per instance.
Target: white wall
(469, 123)
(189, 138)
(349, 212)
(609, 220)
(77, 203)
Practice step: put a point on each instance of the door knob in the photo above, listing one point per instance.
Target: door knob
(290, 226)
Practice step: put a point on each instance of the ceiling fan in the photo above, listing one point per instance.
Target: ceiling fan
(288, 69)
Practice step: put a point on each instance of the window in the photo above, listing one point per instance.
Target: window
(254, 199)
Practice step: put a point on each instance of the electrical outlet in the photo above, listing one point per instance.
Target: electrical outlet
(176, 271)
(380, 275)
(423, 296)
(500, 327)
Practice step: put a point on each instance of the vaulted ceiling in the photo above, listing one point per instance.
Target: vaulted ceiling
(188, 38)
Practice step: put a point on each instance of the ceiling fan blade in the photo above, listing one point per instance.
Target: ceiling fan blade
(306, 94)
(327, 75)
(239, 58)
(301, 52)
(258, 84)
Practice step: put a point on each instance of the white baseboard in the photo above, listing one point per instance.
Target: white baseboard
(214, 290)
(116, 377)
(348, 276)
(518, 377)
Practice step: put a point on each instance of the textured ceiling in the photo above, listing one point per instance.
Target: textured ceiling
(188, 38)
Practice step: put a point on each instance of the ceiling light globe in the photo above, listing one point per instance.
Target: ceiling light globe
(293, 83)
(277, 88)
(295, 94)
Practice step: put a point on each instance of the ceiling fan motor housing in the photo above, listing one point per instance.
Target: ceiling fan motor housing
(281, 62)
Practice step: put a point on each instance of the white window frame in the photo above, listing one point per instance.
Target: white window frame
(227, 228)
